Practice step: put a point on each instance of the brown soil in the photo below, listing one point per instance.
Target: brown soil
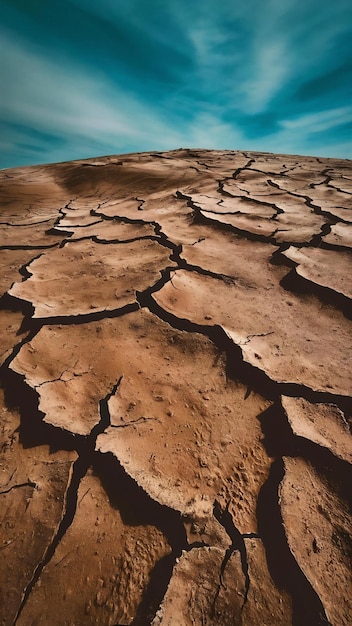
(175, 380)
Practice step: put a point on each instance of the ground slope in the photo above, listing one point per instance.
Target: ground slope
(175, 350)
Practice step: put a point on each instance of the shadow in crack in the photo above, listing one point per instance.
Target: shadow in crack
(33, 430)
(293, 282)
(279, 440)
(278, 437)
(136, 507)
(10, 303)
(285, 572)
(155, 591)
(134, 504)
(237, 368)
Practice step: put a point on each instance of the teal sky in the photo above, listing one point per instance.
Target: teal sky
(83, 78)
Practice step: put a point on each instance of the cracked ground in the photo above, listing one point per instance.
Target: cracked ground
(175, 391)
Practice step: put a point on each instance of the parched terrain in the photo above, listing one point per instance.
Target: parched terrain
(175, 391)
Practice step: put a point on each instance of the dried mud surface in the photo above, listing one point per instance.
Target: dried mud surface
(175, 391)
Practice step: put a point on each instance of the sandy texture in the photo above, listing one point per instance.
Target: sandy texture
(197, 591)
(318, 525)
(175, 378)
(111, 566)
(33, 491)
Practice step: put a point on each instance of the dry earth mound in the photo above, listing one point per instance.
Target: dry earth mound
(175, 350)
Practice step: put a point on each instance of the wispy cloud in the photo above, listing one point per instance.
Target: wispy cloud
(79, 107)
(319, 122)
(271, 69)
(82, 78)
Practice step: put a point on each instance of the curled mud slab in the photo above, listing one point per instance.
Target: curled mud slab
(175, 378)
(89, 276)
(317, 523)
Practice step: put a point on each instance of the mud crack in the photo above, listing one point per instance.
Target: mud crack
(80, 467)
(225, 518)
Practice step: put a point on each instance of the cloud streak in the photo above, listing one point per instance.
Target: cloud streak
(84, 78)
